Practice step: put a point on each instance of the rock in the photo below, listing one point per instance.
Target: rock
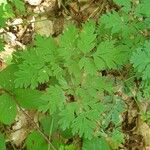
(34, 2)
(10, 37)
(22, 126)
(44, 27)
(16, 21)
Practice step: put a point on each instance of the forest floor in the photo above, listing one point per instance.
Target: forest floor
(49, 19)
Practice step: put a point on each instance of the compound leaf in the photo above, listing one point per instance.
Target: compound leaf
(105, 50)
(54, 98)
(141, 60)
(37, 63)
(87, 37)
(125, 3)
(113, 21)
(67, 115)
(83, 126)
(68, 42)
(143, 8)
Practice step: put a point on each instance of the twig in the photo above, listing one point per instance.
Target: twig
(26, 23)
(99, 9)
(93, 13)
(129, 78)
(65, 8)
(89, 5)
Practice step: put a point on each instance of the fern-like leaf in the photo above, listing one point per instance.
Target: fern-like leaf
(141, 60)
(54, 98)
(68, 42)
(114, 22)
(67, 115)
(87, 37)
(37, 63)
(104, 51)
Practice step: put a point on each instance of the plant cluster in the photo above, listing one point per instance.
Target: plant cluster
(65, 79)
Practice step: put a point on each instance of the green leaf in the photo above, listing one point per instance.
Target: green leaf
(87, 37)
(27, 76)
(29, 99)
(83, 126)
(31, 75)
(123, 54)
(99, 83)
(105, 56)
(68, 42)
(7, 77)
(67, 115)
(1, 44)
(115, 111)
(95, 144)
(8, 11)
(54, 98)
(20, 6)
(37, 64)
(67, 134)
(125, 3)
(2, 19)
(69, 36)
(49, 124)
(141, 60)
(35, 141)
(88, 65)
(2, 142)
(8, 109)
(117, 138)
(86, 121)
(113, 21)
(89, 110)
(143, 8)
(146, 89)
(67, 147)
(74, 69)
(49, 46)
(119, 107)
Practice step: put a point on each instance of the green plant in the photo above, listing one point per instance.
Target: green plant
(65, 78)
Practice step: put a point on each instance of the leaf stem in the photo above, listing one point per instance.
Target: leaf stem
(50, 131)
